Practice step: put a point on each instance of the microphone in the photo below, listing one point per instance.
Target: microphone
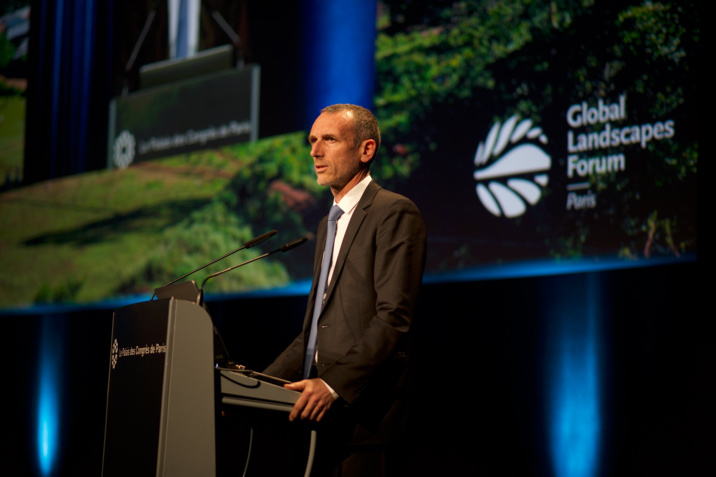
(256, 240)
(283, 248)
(292, 244)
(251, 243)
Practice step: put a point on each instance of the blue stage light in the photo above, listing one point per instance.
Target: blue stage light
(49, 390)
(339, 52)
(573, 385)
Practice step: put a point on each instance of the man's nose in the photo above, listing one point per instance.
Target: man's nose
(315, 149)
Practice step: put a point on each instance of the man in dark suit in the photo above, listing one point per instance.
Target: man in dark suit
(352, 376)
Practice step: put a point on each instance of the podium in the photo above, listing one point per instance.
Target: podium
(160, 395)
(164, 393)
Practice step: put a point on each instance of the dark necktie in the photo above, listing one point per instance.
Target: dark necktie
(310, 357)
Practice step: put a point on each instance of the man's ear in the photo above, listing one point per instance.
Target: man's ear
(367, 149)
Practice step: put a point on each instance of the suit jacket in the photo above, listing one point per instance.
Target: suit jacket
(367, 315)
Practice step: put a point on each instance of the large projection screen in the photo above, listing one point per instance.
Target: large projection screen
(534, 140)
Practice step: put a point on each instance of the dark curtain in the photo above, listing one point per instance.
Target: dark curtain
(68, 88)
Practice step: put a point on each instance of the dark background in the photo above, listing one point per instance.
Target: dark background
(483, 381)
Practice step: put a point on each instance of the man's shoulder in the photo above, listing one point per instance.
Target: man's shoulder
(381, 197)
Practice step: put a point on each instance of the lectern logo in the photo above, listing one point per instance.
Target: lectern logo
(124, 149)
(499, 188)
(115, 353)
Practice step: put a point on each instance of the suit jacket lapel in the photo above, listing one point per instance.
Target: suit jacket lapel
(318, 258)
(359, 215)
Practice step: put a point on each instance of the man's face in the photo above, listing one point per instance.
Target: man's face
(337, 161)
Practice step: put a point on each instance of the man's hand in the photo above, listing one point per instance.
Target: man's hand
(314, 401)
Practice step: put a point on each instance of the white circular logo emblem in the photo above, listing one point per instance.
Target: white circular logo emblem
(498, 188)
(124, 149)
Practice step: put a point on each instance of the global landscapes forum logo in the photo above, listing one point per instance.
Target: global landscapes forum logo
(513, 151)
(513, 166)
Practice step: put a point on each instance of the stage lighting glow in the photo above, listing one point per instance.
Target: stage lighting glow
(548, 267)
(48, 422)
(574, 387)
(339, 53)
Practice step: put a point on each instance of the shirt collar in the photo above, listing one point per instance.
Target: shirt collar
(350, 200)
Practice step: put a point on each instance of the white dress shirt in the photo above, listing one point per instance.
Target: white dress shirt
(348, 206)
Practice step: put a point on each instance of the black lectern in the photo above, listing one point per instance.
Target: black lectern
(160, 396)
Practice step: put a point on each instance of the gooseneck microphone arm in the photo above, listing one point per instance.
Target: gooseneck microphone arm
(283, 248)
(251, 243)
